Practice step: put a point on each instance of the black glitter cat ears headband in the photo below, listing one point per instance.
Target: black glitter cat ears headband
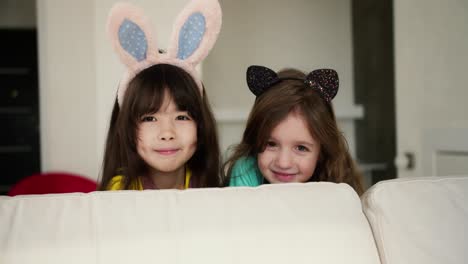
(325, 81)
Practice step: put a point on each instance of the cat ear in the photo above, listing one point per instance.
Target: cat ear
(260, 79)
(131, 36)
(195, 31)
(326, 81)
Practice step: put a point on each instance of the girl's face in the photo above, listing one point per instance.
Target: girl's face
(167, 139)
(291, 153)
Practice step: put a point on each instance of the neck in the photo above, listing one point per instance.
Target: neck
(169, 180)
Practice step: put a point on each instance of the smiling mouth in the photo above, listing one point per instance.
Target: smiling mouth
(284, 177)
(167, 152)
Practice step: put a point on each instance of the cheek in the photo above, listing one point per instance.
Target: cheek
(194, 134)
(142, 137)
(141, 144)
(308, 168)
(308, 164)
(144, 131)
(263, 160)
(190, 136)
(140, 148)
(138, 137)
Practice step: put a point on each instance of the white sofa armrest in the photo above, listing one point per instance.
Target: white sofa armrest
(420, 220)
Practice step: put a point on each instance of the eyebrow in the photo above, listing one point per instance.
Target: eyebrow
(304, 143)
(299, 142)
(176, 110)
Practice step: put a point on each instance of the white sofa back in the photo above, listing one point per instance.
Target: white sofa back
(414, 221)
(294, 223)
(421, 220)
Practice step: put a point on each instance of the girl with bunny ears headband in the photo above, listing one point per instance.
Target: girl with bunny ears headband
(162, 133)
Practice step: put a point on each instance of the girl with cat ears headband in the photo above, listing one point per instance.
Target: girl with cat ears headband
(291, 134)
(162, 132)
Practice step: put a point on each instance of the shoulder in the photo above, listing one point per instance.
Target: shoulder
(245, 172)
(244, 163)
(118, 183)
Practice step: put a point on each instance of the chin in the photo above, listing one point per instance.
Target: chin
(169, 170)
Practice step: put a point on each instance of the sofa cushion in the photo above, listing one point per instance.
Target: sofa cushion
(420, 220)
(287, 223)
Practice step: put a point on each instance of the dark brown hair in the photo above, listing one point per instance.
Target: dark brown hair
(144, 95)
(270, 108)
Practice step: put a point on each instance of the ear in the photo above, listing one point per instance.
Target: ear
(195, 31)
(131, 36)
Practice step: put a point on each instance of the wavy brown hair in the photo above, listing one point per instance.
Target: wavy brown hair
(144, 95)
(270, 108)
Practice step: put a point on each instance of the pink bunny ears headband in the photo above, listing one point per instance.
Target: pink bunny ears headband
(325, 81)
(194, 33)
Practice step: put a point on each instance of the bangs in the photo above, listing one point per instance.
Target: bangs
(269, 116)
(266, 124)
(185, 100)
(159, 81)
(150, 98)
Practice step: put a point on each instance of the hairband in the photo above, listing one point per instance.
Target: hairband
(325, 81)
(194, 33)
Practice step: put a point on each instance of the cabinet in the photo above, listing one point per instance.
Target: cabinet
(19, 106)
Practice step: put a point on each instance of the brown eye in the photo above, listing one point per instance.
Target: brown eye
(183, 118)
(148, 119)
(271, 144)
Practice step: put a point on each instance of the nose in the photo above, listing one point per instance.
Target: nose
(167, 131)
(283, 159)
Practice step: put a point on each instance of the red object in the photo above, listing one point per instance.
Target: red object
(54, 182)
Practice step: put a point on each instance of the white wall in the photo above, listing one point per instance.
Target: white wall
(67, 86)
(79, 71)
(431, 58)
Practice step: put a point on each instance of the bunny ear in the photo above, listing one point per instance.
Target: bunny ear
(195, 31)
(131, 36)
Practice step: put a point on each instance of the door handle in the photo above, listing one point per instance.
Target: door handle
(405, 161)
